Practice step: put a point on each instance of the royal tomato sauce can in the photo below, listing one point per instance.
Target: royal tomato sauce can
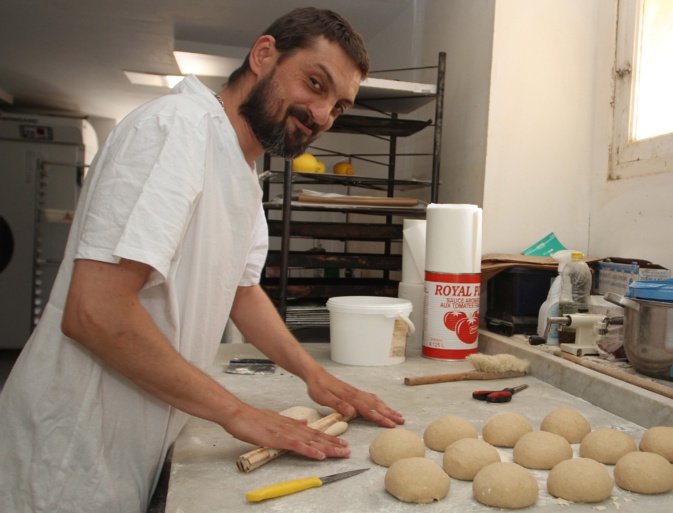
(451, 322)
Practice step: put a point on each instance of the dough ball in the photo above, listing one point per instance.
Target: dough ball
(505, 429)
(644, 472)
(395, 444)
(465, 457)
(338, 428)
(580, 480)
(570, 424)
(658, 440)
(505, 485)
(302, 413)
(417, 480)
(541, 450)
(445, 430)
(606, 445)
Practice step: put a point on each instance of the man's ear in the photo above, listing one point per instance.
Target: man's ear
(263, 55)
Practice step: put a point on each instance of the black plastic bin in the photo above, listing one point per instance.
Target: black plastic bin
(514, 297)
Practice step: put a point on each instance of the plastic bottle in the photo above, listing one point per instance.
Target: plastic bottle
(550, 308)
(575, 286)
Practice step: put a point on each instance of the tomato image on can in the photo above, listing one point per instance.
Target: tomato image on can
(452, 317)
(451, 324)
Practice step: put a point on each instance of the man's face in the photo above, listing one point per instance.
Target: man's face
(300, 97)
(267, 116)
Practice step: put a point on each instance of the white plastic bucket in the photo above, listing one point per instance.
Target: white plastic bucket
(369, 330)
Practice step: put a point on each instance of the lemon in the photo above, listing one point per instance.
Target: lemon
(305, 163)
(321, 167)
(343, 168)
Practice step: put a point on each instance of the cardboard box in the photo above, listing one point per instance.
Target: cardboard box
(615, 274)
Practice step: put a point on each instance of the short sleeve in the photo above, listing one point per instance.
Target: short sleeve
(259, 246)
(146, 189)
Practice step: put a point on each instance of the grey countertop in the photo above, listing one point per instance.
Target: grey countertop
(205, 479)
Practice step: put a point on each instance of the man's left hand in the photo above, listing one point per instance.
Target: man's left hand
(329, 391)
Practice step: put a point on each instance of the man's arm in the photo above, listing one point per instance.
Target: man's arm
(257, 318)
(103, 314)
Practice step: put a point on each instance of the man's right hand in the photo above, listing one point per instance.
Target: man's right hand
(267, 428)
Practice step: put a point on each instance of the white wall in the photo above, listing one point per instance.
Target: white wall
(550, 125)
(527, 123)
(464, 30)
(539, 151)
(630, 218)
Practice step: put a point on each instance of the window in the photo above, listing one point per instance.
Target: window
(642, 141)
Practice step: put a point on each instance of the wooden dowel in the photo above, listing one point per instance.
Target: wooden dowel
(258, 457)
(647, 384)
(459, 376)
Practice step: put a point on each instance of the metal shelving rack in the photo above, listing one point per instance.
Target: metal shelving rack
(388, 98)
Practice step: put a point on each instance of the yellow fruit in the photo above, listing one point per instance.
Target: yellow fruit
(305, 163)
(343, 168)
(321, 167)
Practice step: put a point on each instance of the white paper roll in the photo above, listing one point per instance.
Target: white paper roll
(413, 251)
(414, 292)
(453, 238)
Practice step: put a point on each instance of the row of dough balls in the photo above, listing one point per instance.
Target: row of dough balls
(510, 485)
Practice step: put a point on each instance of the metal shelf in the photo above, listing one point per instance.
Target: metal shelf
(395, 96)
(308, 260)
(364, 182)
(418, 211)
(320, 288)
(386, 99)
(338, 231)
(380, 126)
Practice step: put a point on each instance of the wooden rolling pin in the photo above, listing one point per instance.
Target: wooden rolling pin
(459, 376)
(258, 457)
(647, 384)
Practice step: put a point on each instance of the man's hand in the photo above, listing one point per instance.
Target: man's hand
(258, 320)
(266, 428)
(329, 391)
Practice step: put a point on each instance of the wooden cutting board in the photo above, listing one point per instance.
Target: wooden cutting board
(386, 202)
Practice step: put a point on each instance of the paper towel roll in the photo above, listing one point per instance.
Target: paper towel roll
(452, 281)
(453, 238)
(414, 292)
(413, 251)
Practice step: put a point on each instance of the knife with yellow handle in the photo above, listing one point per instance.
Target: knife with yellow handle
(297, 485)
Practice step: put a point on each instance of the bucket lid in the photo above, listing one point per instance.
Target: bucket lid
(655, 290)
(388, 306)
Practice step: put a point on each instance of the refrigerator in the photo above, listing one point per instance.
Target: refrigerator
(41, 172)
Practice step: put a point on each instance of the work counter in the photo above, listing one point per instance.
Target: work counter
(205, 479)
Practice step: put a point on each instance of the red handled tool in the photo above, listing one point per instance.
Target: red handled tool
(497, 396)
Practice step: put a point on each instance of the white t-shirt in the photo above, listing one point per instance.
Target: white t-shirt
(170, 188)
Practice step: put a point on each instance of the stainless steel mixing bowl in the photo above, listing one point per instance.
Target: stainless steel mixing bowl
(648, 335)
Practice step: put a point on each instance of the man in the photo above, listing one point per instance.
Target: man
(167, 243)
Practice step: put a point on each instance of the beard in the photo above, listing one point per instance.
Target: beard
(263, 110)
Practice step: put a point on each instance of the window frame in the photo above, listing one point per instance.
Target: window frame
(632, 158)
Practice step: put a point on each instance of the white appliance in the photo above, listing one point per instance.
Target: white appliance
(41, 170)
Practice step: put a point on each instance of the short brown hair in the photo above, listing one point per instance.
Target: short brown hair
(300, 28)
